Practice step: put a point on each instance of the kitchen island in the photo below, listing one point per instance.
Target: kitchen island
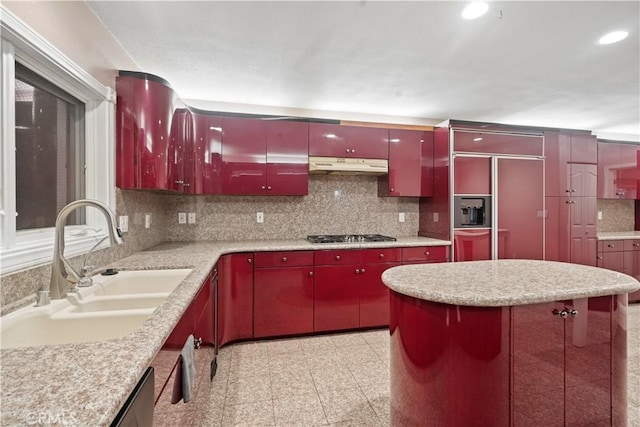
(508, 342)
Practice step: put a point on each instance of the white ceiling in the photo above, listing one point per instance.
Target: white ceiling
(529, 63)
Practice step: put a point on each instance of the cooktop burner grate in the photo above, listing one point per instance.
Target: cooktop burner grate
(349, 238)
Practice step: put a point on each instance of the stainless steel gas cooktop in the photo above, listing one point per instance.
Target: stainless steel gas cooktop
(349, 238)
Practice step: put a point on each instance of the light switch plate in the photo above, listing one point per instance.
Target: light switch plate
(123, 223)
(147, 220)
(260, 217)
(436, 217)
(192, 218)
(182, 218)
(600, 215)
(401, 217)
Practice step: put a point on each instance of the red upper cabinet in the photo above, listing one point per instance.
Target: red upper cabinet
(410, 164)
(287, 158)
(618, 171)
(244, 156)
(333, 140)
(144, 117)
(207, 154)
(560, 149)
(264, 157)
(180, 155)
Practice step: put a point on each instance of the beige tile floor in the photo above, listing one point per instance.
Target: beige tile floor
(339, 379)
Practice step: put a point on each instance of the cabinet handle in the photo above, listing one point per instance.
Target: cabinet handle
(636, 244)
(598, 257)
(179, 182)
(573, 313)
(357, 271)
(284, 259)
(310, 273)
(347, 150)
(573, 191)
(392, 190)
(337, 257)
(362, 271)
(263, 187)
(562, 313)
(186, 184)
(249, 260)
(427, 253)
(610, 245)
(381, 255)
(568, 191)
(353, 150)
(268, 187)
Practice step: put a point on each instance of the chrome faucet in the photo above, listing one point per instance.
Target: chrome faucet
(63, 276)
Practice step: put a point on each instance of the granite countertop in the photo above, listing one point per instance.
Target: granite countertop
(618, 235)
(86, 384)
(506, 282)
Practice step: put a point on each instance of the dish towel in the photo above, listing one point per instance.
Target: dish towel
(186, 372)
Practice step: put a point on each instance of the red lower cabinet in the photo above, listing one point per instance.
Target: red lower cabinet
(197, 320)
(520, 366)
(374, 295)
(283, 297)
(337, 303)
(235, 297)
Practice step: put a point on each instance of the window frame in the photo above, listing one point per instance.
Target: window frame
(31, 248)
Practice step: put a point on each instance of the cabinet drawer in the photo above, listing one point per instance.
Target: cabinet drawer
(283, 259)
(338, 257)
(375, 256)
(610, 245)
(632, 245)
(425, 253)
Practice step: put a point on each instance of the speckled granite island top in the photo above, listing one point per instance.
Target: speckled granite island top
(618, 235)
(505, 282)
(86, 384)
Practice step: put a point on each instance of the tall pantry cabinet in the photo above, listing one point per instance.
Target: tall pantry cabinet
(571, 197)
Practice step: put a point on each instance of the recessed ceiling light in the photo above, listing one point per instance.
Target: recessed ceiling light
(475, 10)
(612, 37)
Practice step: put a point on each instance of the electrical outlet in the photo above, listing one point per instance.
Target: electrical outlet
(123, 223)
(192, 218)
(260, 217)
(147, 220)
(436, 217)
(401, 217)
(182, 218)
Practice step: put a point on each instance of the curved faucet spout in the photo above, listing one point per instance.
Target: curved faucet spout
(63, 275)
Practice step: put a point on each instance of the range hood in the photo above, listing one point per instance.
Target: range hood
(347, 166)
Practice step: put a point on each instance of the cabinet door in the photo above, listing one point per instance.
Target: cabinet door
(205, 313)
(374, 295)
(472, 245)
(235, 297)
(333, 140)
(584, 239)
(287, 158)
(472, 175)
(180, 156)
(583, 181)
(327, 140)
(405, 164)
(557, 153)
(283, 301)
(588, 362)
(538, 365)
(557, 231)
(368, 143)
(611, 261)
(632, 267)
(425, 254)
(207, 157)
(618, 170)
(244, 149)
(336, 298)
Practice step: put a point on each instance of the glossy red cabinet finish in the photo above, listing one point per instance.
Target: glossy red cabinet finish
(622, 256)
(472, 244)
(235, 297)
(618, 170)
(517, 366)
(264, 157)
(469, 141)
(207, 154)
(564, 365)
(472, 175)
(425, 254)
(349, 292)
(181, 159)
(560, 149)
(144, 117)
(410, 165)
(333, 140)
(283, 297)
(449, 364)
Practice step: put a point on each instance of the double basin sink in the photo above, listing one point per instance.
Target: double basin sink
(113, 307)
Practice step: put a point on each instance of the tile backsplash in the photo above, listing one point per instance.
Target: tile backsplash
(617, 215)
(335, 205)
